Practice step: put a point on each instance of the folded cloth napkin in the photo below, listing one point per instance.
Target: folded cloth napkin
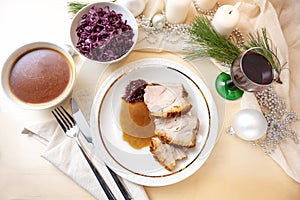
(64, 153)
(281, 26)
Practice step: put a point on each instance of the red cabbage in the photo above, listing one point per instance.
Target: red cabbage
(103, 36)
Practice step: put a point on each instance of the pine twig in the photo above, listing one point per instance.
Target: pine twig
(206, 42)
(75, 6)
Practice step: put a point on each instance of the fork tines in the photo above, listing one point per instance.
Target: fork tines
(65, 120)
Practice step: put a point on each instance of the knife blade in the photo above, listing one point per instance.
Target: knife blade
(84, 127)
(81, 121)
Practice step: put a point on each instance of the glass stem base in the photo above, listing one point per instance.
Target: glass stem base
(226, 88)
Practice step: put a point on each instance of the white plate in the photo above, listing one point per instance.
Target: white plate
(140, 166)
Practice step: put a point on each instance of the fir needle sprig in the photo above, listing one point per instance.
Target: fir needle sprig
(206, 42)
(75, 6)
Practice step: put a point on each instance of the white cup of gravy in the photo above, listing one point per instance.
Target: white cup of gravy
(38, 75)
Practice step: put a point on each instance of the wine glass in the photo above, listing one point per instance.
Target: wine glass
(251, 71)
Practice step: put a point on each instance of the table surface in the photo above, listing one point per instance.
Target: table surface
(234, 170)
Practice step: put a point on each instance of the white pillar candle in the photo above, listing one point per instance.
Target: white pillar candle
(177, 10)
(206, 4)
(226, 19)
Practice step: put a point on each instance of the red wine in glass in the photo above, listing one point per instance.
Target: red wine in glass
(257, 68)
(252, 71)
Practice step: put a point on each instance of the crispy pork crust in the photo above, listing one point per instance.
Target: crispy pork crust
(170, 140)
(174, 112)
(166, 154)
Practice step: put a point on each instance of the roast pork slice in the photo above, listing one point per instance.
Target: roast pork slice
(181, 130)
(166, 100)
(167, 154)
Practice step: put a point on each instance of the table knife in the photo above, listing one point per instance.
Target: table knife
(84, 127)
(81, 120)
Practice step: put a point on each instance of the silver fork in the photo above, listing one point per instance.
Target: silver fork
(69, 126)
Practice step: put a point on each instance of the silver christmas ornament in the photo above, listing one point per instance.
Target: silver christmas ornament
(158, 21)
(249, 124)
(179, 31)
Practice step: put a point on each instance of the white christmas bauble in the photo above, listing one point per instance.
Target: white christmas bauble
(249, 124)
(158, 21)
(136, 7)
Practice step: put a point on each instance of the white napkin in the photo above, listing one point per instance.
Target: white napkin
(64, 153)
(287, 154)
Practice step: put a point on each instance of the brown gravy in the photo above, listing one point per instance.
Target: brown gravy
(40, 75)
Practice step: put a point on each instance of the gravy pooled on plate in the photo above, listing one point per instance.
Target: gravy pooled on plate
(40, 75)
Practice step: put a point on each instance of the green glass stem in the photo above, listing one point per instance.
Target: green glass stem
(226, 88)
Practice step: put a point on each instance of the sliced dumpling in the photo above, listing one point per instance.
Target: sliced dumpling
(181, 130)
(167, 154)
(166, 100)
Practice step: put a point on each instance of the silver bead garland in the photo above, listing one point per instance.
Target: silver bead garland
(172, 33)
(237, 37)
(206, 12)
(278, 119)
